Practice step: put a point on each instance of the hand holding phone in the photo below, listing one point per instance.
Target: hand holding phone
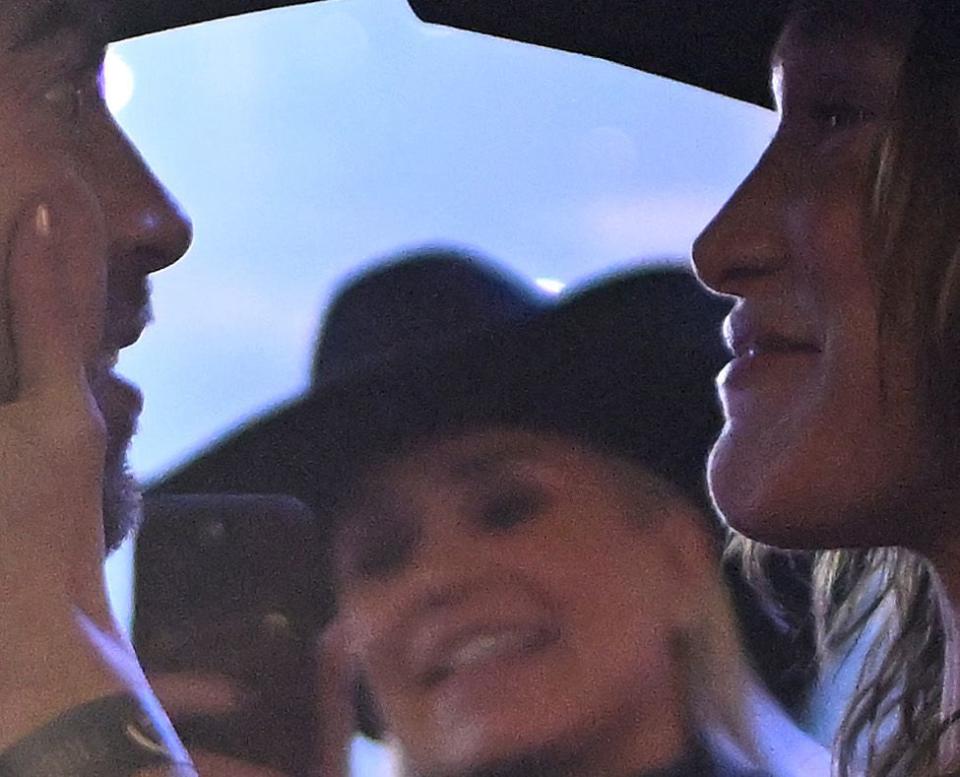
(186, 695)
(232, 589)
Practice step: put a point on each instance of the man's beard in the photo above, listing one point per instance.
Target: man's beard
(121, 494)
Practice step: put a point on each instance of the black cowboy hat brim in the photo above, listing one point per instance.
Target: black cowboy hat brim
(130, 18)
(719, 45)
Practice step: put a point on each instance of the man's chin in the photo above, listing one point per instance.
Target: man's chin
(122, 504)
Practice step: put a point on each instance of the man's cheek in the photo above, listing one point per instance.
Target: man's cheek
(13, 198)
(39, 162)
(8, 361)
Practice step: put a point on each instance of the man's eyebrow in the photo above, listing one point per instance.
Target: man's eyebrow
(53, 17)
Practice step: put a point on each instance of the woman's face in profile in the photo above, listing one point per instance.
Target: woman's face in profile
(508, 594)
(821, 442)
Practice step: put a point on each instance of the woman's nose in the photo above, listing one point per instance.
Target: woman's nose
(745, 241)
(448, 566)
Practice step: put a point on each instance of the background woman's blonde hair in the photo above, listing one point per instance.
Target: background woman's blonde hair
(894, 722)
(728, 705)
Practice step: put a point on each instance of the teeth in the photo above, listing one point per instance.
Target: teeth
(486, 647)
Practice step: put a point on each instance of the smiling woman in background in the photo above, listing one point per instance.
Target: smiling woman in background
(526, 565)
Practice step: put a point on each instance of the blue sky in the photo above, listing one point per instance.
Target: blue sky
(307, 141)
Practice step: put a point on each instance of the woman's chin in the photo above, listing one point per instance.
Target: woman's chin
(495, 747)
(755, 502)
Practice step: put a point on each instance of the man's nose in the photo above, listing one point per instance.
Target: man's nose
(745, 241)
(145, 225)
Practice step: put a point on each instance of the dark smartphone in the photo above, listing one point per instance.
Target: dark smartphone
(236, 585)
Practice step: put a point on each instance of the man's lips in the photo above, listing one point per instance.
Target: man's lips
(119, 400)
(124, 324)
(120, 404)
(109, 353)
(123, 330)
(128, 310)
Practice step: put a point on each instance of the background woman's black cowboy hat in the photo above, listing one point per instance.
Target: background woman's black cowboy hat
(440, 341)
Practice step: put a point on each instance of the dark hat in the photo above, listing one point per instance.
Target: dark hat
(720, 45)
(438, 341)
(128, 18)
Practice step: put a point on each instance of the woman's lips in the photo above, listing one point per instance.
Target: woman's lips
(476, 649)
(761, 370)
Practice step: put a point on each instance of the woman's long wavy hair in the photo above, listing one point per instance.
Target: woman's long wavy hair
(895, 721)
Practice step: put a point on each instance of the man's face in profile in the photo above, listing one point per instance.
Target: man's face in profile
(60, 145)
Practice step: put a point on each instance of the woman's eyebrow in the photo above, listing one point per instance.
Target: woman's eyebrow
(483, 464)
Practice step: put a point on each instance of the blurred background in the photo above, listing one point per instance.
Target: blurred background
(306, 142)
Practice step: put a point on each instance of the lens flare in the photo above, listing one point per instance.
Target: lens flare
(550, 285)
(118, 82)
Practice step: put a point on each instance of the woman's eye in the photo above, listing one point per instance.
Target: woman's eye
(839, 116)
(381, 560)
(511, 509)
(377, 554)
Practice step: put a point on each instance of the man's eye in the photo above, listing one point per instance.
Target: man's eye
(511, 509)
(71, 96)
(66, 98)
